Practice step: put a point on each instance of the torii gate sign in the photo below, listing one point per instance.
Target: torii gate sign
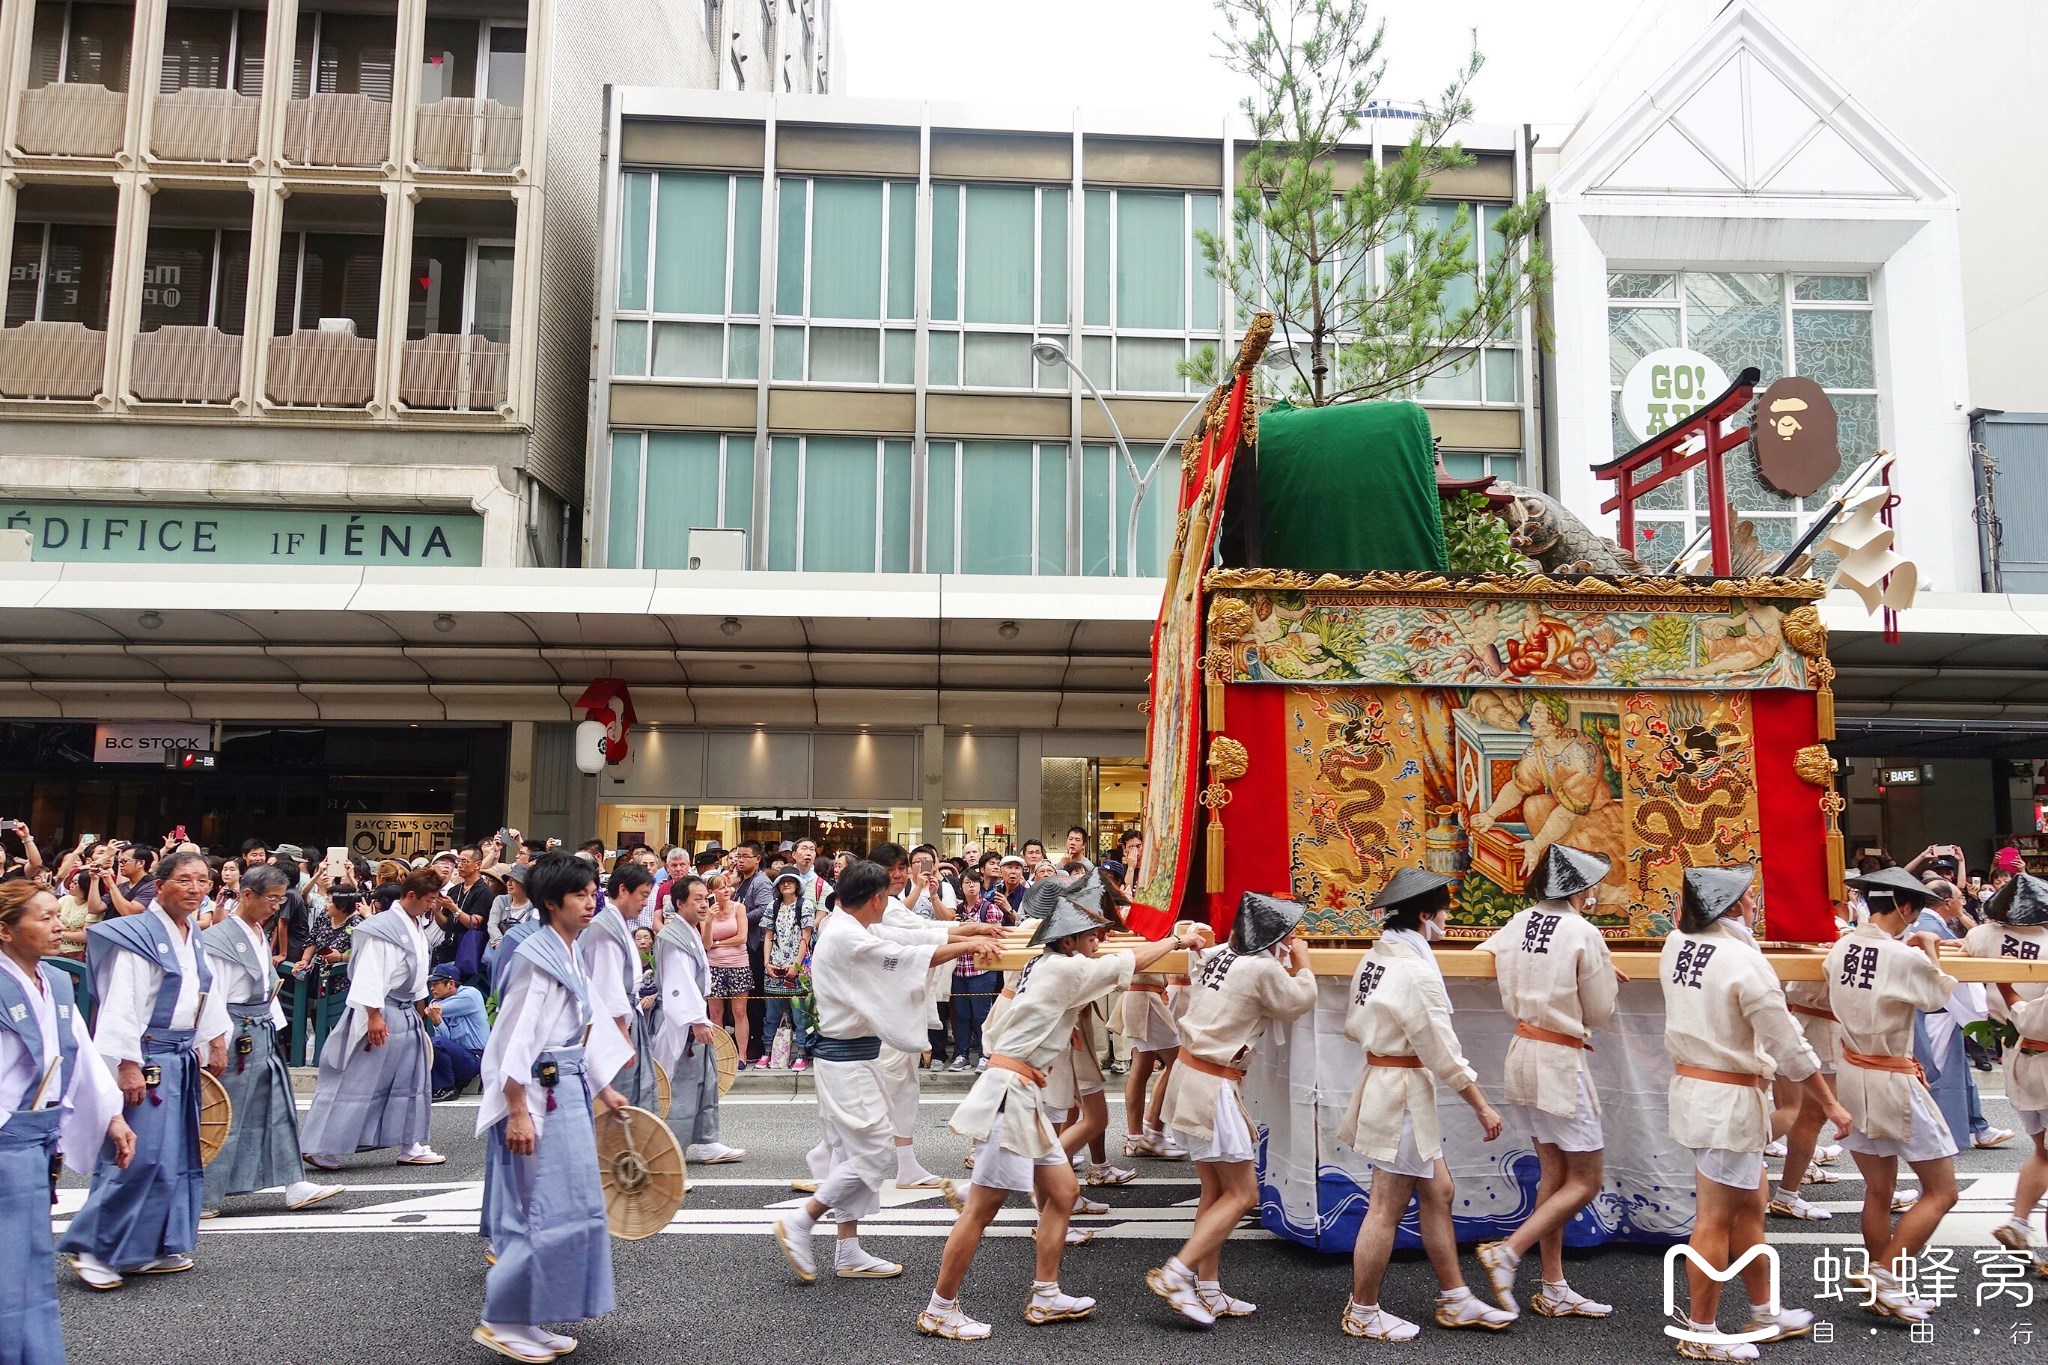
(1700, 439)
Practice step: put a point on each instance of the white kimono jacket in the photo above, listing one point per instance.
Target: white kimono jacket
(1724, 1010)
(126, 990)
(871, 982)
(380, 970)
(1876, 986)
(1555, 972)
(682, 976)
(2028, 944)
(1399, 1009)
(90, 1102)
(1037, 1029)
(538, 1015)
(1229, 1005)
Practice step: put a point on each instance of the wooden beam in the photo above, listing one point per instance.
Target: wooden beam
(1639, 964)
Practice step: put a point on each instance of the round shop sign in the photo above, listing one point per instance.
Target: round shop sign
(1666, 387)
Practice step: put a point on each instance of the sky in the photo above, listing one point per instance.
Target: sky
(1160, 54)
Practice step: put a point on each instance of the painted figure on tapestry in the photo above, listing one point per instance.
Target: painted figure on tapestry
(1560, 782)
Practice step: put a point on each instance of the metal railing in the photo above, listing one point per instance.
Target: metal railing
(461, 134)
(337, 130)
(67, 118)
(52, 360)
(201, 124)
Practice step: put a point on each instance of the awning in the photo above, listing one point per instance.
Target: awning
(123, 641)
(119, 641)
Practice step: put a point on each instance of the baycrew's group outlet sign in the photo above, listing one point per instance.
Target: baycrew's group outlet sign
(122, 533)
(394, 835)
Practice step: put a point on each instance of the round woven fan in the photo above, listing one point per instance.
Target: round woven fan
(642, 1169)
(727, 1059)
(216, 1113)
(663, 1091)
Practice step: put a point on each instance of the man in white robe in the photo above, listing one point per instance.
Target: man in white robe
(1559, 982)
(684, 1045)
(375, 1088)
(870, 989)
(1877, 985)
(1728, 1030)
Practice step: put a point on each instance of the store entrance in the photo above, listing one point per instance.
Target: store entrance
(631, 824)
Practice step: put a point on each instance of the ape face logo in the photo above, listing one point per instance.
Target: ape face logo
(1795, 437)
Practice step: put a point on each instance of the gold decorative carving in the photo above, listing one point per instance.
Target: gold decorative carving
(1230, 620)
(1256, 338)
(1815, 765)
(1804, 631)
(1519, 585)
(1228, 759)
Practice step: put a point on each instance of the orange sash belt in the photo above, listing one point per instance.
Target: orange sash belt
(2033, 1045)
(1814, 1012)
(1181, 981)
(1209, 1068)
(1022, 1068)
(1007, 994)
(1706, 1073)
(1403, 1063)
(1149, 988)
(1904, 1066)
(1544, 1035)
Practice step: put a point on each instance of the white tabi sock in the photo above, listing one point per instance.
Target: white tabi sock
(939, 1305)
(909, 1170)
(848, 1251)
(798, 1222)
(1454, 1295)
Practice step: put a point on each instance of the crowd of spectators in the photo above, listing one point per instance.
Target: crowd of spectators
(756, 909)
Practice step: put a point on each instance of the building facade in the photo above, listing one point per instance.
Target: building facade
(829, 352)
(294, 285)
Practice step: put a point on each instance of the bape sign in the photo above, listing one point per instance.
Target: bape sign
(1796, 452)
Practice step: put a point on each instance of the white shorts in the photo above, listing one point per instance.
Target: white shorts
(1741, 1170)
(1157, 1033)
(1407, 1160)
(998, 1169)
(1056, 1117)
(2033, 1122)
(1930, 1139)
(899, 1087)
(1232, 1140)
(1579, 1133)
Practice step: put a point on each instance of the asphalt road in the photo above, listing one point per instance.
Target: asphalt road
(391, 1271)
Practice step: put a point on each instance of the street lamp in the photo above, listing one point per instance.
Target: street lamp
(1048, 351)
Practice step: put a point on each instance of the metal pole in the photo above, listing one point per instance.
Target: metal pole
(1047, 349)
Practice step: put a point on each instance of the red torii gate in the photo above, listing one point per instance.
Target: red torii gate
(1662, 458)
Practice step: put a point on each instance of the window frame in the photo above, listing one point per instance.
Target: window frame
(644, 435)
(1045, 379)
(1194, 272)
(648, 318)
(809, 320)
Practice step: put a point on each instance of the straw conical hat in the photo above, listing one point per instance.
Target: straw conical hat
(216, 1114)
(641, 1167)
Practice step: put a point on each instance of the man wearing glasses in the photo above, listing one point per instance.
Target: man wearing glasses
(158, 1015)
(262, 1147)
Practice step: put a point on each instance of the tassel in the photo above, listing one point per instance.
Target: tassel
(551, 1102)
(1215, 850)
(1838, 890)
(1215, 669)
(1824, 698)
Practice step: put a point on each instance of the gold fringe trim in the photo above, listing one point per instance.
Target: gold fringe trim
(1520, 585)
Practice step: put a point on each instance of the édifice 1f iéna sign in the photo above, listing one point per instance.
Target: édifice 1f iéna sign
(123, 533)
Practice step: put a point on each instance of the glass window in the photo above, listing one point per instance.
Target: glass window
(333, 276)
(62, 272)
(690, 275)
(1095, 252)
(946, 252)
(448, 60)
(491, 305)
(1001, 241)
(784, 483)
(622, 542)
(682, 491)
(839, 504)
(664, 483)
(195, 277)
(996, 479)
(1151, 252)
(1820, 326)
(941, 514)
(81, 44)
(846, 249)
(203, 48)
(636, 211)
(344, 54)
(505, 65)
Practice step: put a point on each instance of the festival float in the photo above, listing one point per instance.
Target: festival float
(1330, 702)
